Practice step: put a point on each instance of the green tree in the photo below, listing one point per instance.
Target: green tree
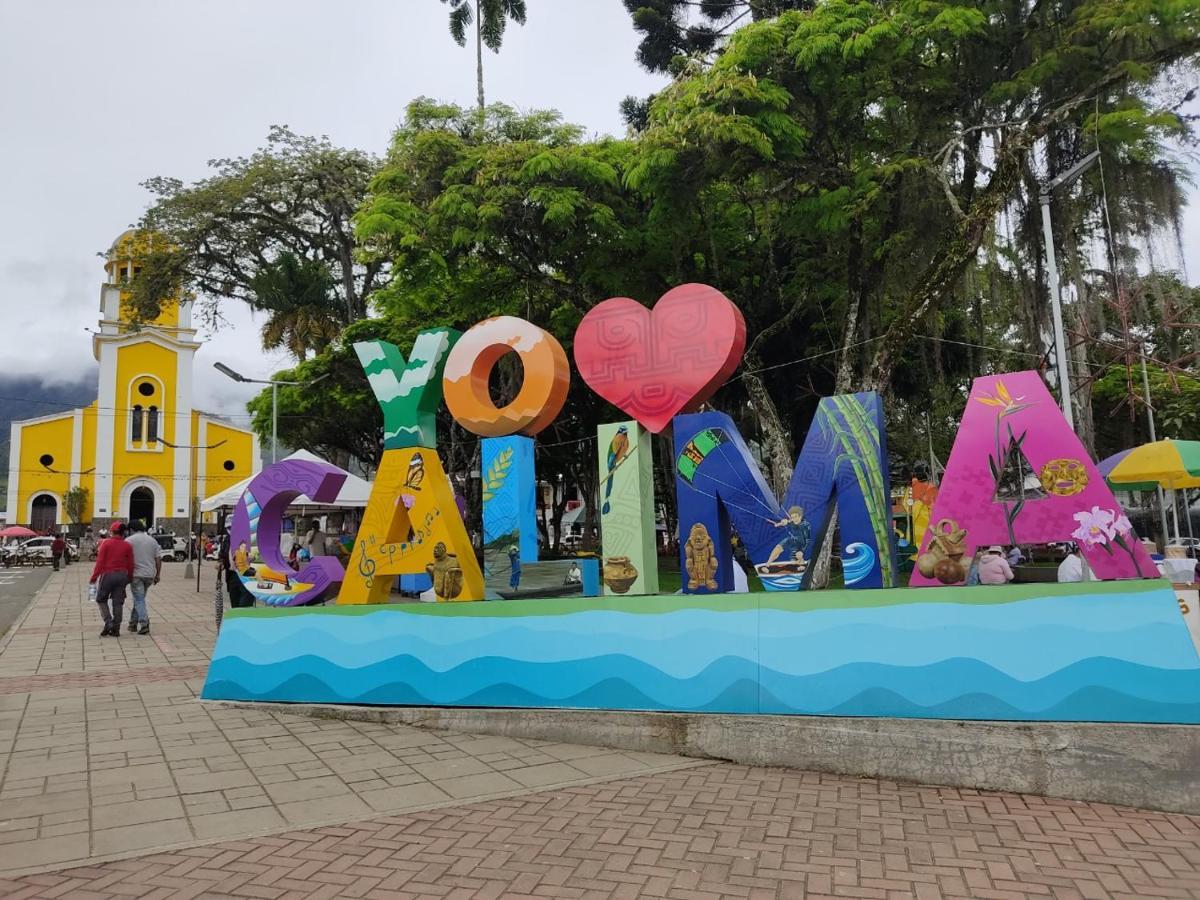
(297, 195)
(490, 18)
(511, 214)
(338, 417)
(1122, 424)
(303, 314)
(841, 173)
(670, 29)
(75, 504)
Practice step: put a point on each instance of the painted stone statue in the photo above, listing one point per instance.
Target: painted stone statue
(700, 559)
(446, 573)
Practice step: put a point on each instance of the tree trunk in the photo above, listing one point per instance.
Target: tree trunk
(479, 54)
(776, 438)
(845, 379)
(940, 278)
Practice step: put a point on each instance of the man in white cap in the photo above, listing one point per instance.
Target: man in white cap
(994, 568)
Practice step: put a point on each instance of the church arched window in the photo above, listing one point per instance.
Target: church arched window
(147, 407)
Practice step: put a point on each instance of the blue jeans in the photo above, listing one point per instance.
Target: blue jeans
(138, 587)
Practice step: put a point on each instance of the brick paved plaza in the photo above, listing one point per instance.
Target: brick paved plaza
(116, 782)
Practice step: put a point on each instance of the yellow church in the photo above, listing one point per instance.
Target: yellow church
(141, 450)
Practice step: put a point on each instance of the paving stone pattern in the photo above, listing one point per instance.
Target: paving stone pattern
(105, 751)
(119, 784)
(720, 831)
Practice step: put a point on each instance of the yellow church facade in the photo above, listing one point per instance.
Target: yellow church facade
(141, 450)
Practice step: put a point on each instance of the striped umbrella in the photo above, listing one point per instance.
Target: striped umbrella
(1169, 464)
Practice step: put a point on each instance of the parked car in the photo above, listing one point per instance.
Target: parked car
(39, 547)
(171, 547)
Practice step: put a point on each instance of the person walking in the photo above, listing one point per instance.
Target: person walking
(57, 547)
(147, 570)
(111, 575)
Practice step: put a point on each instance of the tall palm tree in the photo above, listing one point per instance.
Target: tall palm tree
(490, 18)
(303, 315)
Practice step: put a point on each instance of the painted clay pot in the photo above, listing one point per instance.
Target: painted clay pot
(619, 574)
(949, 571)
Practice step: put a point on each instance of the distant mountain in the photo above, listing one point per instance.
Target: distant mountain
(28, 398)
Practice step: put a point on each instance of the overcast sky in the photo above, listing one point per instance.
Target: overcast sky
(97, 97)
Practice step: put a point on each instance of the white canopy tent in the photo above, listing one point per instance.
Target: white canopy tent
(354, 493)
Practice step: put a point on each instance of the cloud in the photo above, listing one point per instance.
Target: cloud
(96, 117)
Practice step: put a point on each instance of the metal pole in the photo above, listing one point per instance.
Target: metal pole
(1187, 515)
(1162, 503)
(274, 421)
(1060, 340)
(188, 572)
(933, 479)
(200, 556)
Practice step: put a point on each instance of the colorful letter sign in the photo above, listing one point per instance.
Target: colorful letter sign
(412, 526)
(258, 524)
(653, 364)
(409, 393)
(627, 510)
(542, 394)
(718, 484)
(509, 508)
(1008, 418)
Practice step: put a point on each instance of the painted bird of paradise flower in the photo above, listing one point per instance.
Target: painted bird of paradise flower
(1002, 398)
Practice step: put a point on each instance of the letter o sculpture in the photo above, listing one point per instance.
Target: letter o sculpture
(543, 391)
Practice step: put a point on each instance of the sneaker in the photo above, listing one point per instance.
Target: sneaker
(106, 632)
(145, 629)
(133, 624)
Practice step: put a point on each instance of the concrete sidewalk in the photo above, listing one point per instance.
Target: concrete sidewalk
(104, 751)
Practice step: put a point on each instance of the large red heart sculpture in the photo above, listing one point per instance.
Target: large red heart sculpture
(655, 364)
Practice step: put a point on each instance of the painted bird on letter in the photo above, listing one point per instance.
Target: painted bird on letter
(618, 449)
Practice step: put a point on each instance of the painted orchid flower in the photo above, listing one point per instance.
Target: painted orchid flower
(1122, 525)
(1096, 527)
(1004, 399)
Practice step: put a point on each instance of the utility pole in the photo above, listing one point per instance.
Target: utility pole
(274, 383)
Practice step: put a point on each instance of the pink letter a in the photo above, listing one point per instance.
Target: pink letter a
(1015, 414)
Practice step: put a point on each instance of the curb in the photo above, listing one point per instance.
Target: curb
(1149, 767)
(16, 626)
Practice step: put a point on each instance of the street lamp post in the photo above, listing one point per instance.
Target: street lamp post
(274, 383)
(1060, 339)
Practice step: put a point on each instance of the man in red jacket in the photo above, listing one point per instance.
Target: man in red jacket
(57, 547)
(113, 572)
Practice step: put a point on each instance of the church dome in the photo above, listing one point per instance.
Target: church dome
(130, 247)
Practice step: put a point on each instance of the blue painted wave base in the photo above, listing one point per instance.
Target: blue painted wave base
(1130, 660)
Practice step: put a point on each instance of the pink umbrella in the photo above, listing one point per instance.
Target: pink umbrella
(17, 531)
